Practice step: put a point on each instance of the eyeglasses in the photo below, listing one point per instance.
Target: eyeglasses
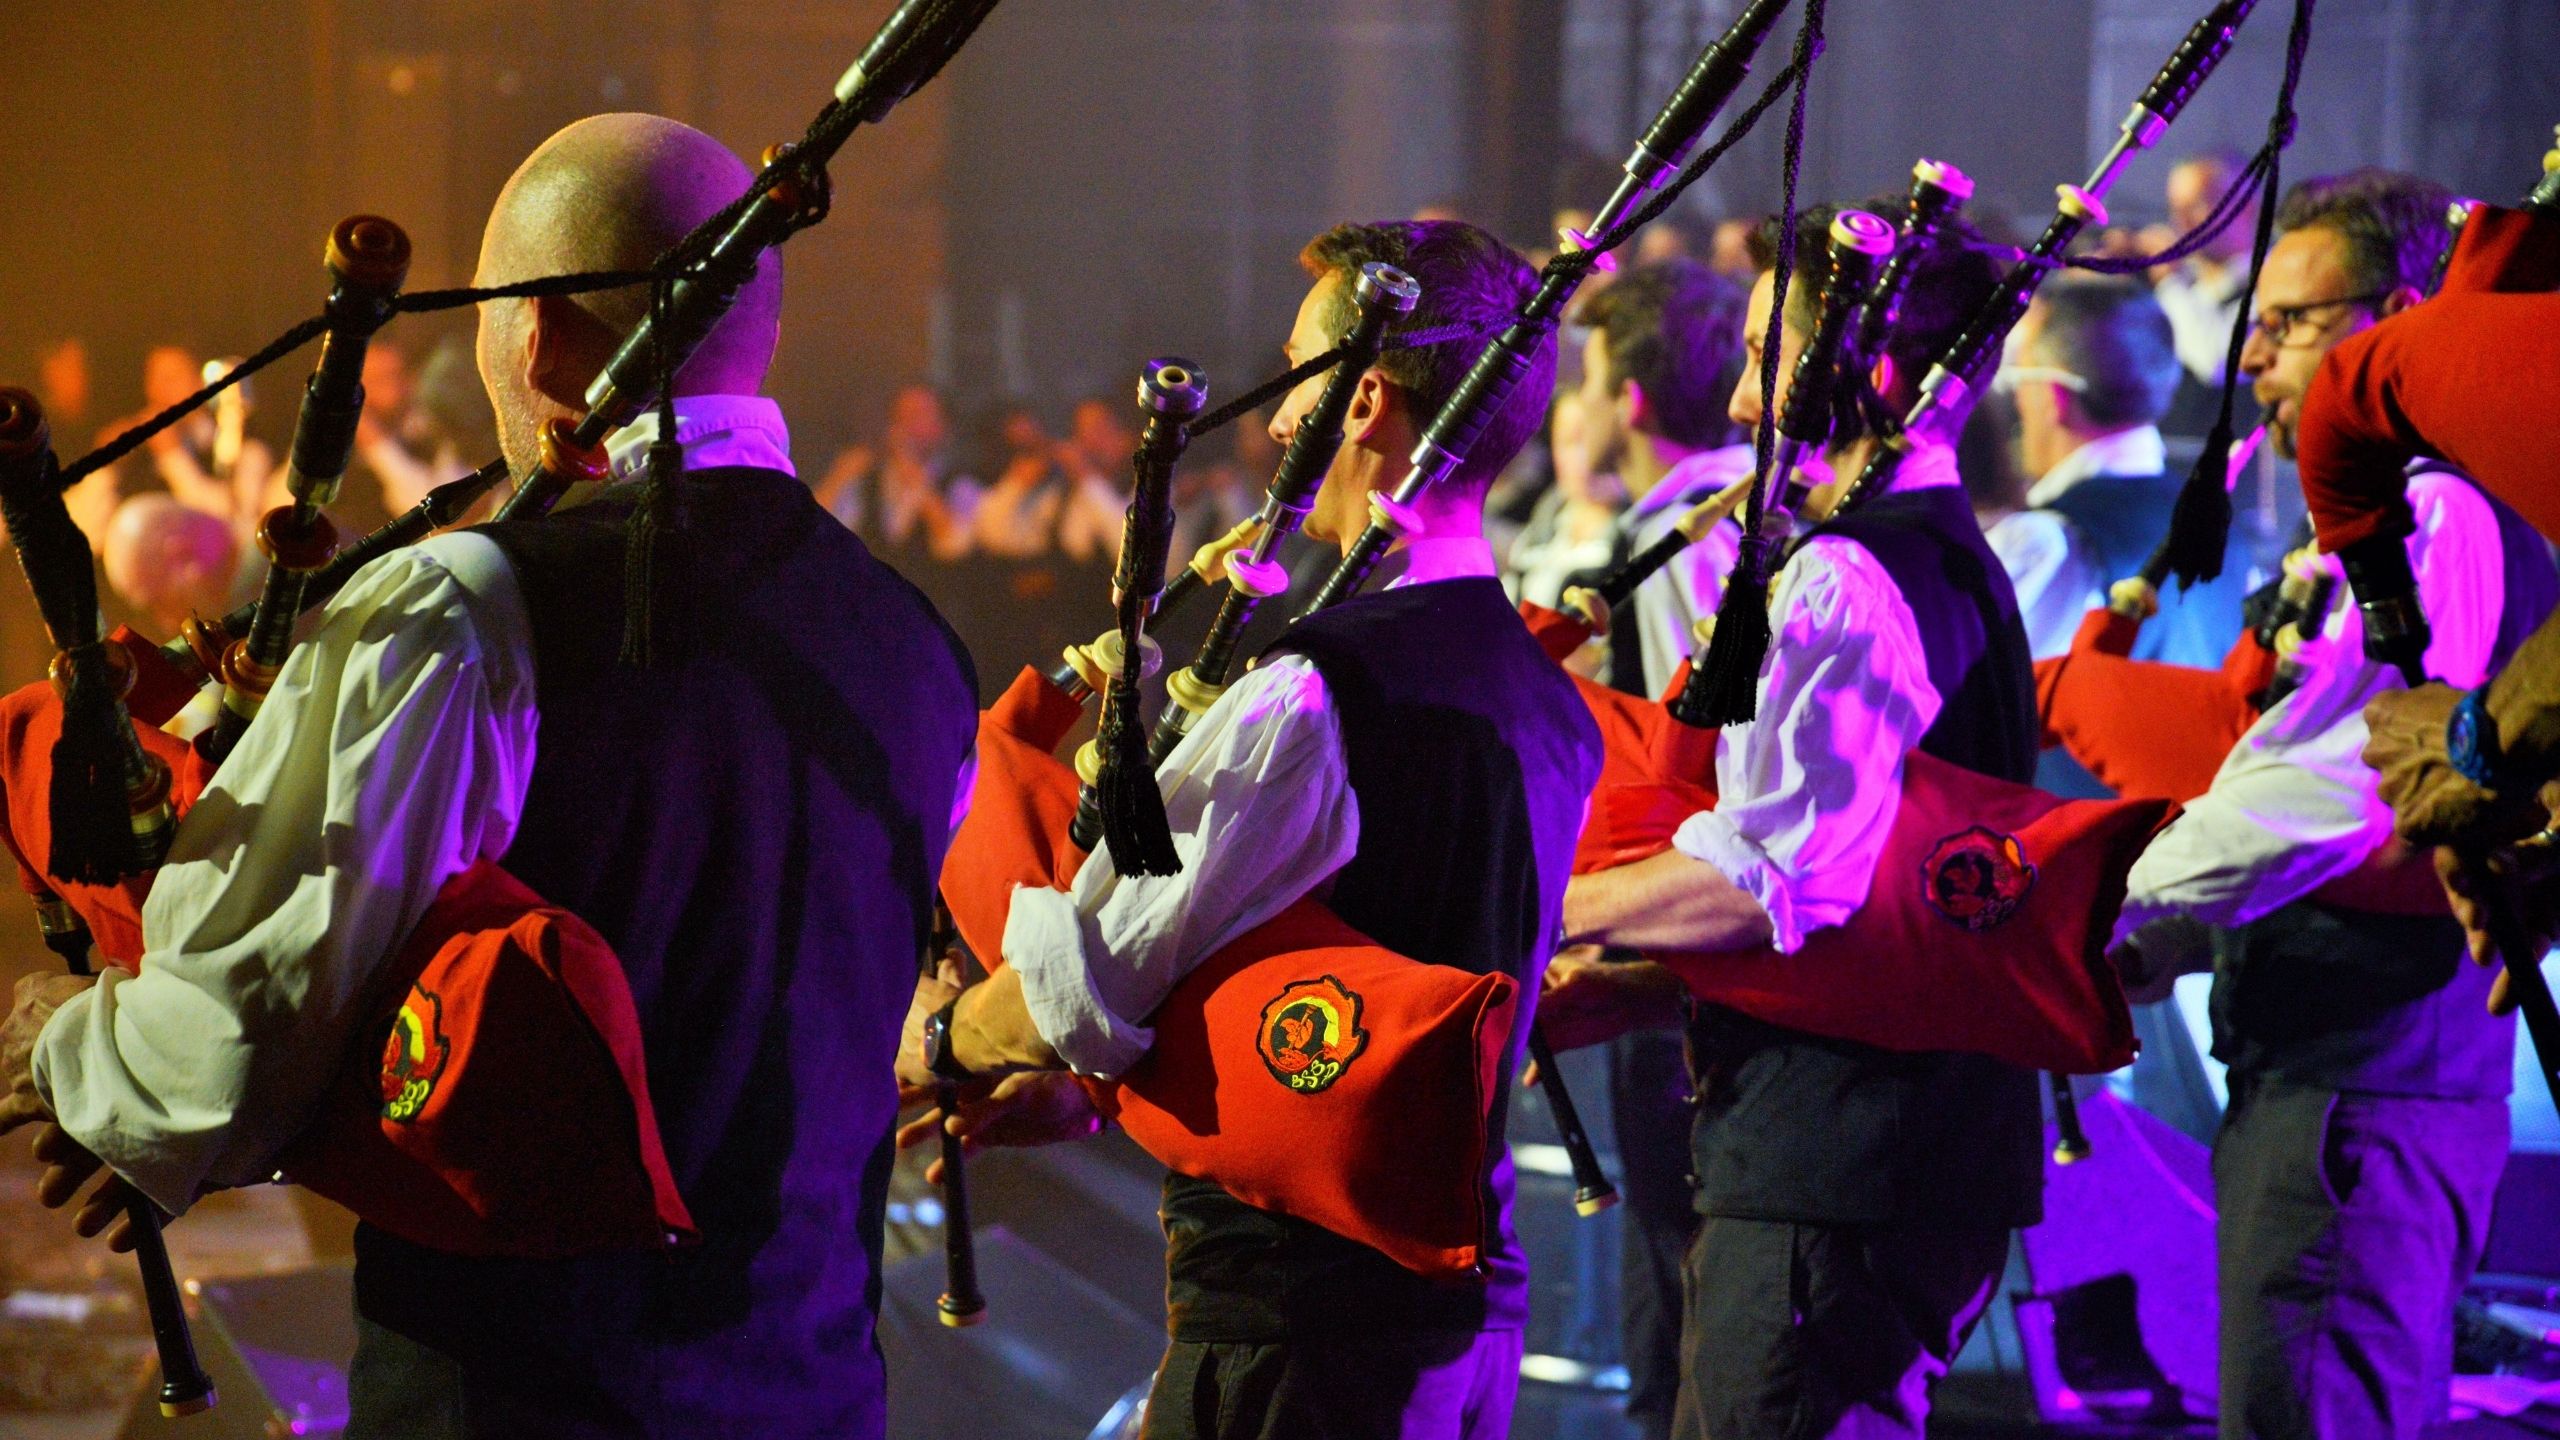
(2007, 379)
(2282, 325)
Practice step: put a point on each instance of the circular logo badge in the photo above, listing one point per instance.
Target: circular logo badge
(1311, 1033)
(413, 1055)
(1977, 878)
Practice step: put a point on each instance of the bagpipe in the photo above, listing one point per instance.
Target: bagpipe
(428, 1139)
(1251, 1083)
(1986, 926)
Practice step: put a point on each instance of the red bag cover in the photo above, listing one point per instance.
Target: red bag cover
(504, 1109)
(2471, 376)
(1304, 1068)
(502, 998)
(2148, 730)
(1985, 931)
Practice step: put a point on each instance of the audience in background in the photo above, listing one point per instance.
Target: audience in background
(2203, 293)
(401, 451)
(206, 462)
(902, 495)
(1212, 498)
(62, 384)
(1574, 525)
(1054, 498)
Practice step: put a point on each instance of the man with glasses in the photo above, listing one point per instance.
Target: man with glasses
(2367, 1125)
(2095, 367)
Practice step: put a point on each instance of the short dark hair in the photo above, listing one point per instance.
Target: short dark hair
(1469, 279)
(2393, 224)
(2107, 330)
(1949, 282)
(1675, 328)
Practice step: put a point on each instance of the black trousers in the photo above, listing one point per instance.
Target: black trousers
(398, 1389)
(1799, 1332)
(1650, 1111)
(2350, 1224)
(1417, 1385)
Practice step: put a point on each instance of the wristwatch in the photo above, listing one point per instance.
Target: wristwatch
(2471, 742)
(938, 1056)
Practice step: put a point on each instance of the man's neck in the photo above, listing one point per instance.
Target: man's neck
(1647, 459)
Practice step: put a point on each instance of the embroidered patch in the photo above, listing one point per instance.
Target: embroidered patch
(1311, 1033)
(1977, 878)
(413, 1055)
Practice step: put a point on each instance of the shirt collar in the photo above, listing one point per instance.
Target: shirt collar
(1925, 466)
(715, 431)
(2138, 451)
(1697, 476)
(1444, 557)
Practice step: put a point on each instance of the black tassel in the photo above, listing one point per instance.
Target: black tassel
(2200, 526)
(1133, 820)
(1724, 686)
(658, 517)
(90, 813)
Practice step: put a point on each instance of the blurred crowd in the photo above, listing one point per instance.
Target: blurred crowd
(1011, 521)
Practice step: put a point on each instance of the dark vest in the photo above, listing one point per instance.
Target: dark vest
(2122, 519)
(1470, 756)
(1799, 1128)
(756, 825)
(2380, 1004)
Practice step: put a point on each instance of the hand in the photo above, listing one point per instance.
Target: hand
(2433, 803)
(932, 993)
(1028, 1107)
(2151, 959)
(1586, 1000)
(68, 1165)
(38, 996)
(2518, 881)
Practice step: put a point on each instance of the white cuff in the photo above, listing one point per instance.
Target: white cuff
(1711, 838)
(88, 1113)
(1047, 943)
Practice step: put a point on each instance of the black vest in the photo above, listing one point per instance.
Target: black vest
(2122, 519)
(756, 825)
(2379, 1004)
(1799, 1128)
(1470, 757)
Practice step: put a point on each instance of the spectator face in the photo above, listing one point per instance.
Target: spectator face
(1597, 418)
(1568, 432)
(1024, 436)
(2193, 189)
(387, 385)
(917, 421)
(2307, 303)
(62, 374)
(1730, 255)
(2042, 437)
(169, 374)
(1101, 438)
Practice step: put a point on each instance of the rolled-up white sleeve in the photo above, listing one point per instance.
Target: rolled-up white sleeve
(394, 750)
(1808, 789)
(1259, 796)
(2294, 806)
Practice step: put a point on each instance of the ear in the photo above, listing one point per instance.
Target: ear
(1885, 374)
(1635, 408)
(2398, 300)
(1369, 403)
(547, 348)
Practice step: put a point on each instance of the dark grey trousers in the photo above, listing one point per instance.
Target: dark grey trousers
(1650, 1111)
(1416, 1385)
(2350, 1224)
(1810, 1332)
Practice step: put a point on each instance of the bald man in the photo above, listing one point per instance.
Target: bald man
(754, 824)
(170, 562)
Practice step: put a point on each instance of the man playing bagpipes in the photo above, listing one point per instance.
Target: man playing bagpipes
(2367, 1122)
(1857, 1203)
(1662, 358)
(1414, 759)
(753, 822)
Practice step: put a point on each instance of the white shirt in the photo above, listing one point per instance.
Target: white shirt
(1259, 796)
(2294, 806)
(394, 750)
(2050, 565)
(1670, 603)
(2200, 317)
(1846, 691)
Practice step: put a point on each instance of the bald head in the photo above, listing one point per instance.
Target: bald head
(611, 192)
(168, 561)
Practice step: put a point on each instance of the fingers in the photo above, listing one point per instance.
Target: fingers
(18, 1110)
(919, 1130)
(1529, 1075)
(2502, 1000)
